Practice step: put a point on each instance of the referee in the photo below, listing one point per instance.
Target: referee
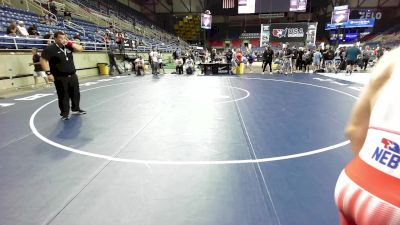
(61, 61)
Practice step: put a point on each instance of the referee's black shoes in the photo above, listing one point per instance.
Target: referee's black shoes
(65, 117)
(79, 112)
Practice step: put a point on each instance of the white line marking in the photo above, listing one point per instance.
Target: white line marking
(3, 105)
(158, 162)
(33, 97)
(295, 82)
(356, 88)
(255, 156)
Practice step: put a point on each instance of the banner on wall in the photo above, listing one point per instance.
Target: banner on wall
(206, 21)
(298, 5)
(247, 36)
(288, 32)
(352, 23)
(311, 33)
(264, 35)
(340, 16)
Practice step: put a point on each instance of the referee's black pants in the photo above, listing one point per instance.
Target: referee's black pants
(267, 62)
(67, 88)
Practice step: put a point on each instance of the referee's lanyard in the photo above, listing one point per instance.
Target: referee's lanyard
(65, 52)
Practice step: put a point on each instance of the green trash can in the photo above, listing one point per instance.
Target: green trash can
(103, 68)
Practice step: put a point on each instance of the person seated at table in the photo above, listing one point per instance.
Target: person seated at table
(189, 66)
(218, 58)
(206, 56)
(139, 65)
(213, 55)
(179, 65)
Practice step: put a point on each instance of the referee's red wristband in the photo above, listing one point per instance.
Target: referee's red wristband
(69, 44)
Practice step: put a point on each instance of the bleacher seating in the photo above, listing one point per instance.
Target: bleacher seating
(89, 33)
(389, 37)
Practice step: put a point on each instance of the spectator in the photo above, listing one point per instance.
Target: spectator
(39, 72)
(53, 7)
(43, 20)
(229, 56)
(206, 56)
(111, 27)
(379, 52)
(32, 30)
(189, 66)
(160, 62)
(139, 66)
(106, 38)
(179, 65)
(77, 38)
(213, 54)
(238, 56)
(112, 60)
(295, 54)
(329, 56)
(287, 59)
(267, 59)
(386, 50)
(51, 18)
(12, 29)
(175, 54)
(299, 61)
(250, 59)
(119, 39)
(351, 58)
(49, 38)
(366, 55)
(67, 16)
(153, 56)
(308, 59)
(317, 56)
(21, 29)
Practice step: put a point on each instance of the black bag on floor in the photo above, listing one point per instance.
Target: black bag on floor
(189, 70)
(319, 71)
(342, 65)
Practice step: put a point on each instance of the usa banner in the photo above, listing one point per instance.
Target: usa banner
(288, 32)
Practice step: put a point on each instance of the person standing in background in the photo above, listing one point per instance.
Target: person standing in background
(39, 72)
(213, 55)
(154, 61)
(229, 57)
(112, 61)
(351, 58)
(299, 61)
(295, 54)
(238, 57)
(119, 39)
(317, 56)
(267, 58)
(250, 59)
(366, 55)
(67, 16)
(160, 63)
